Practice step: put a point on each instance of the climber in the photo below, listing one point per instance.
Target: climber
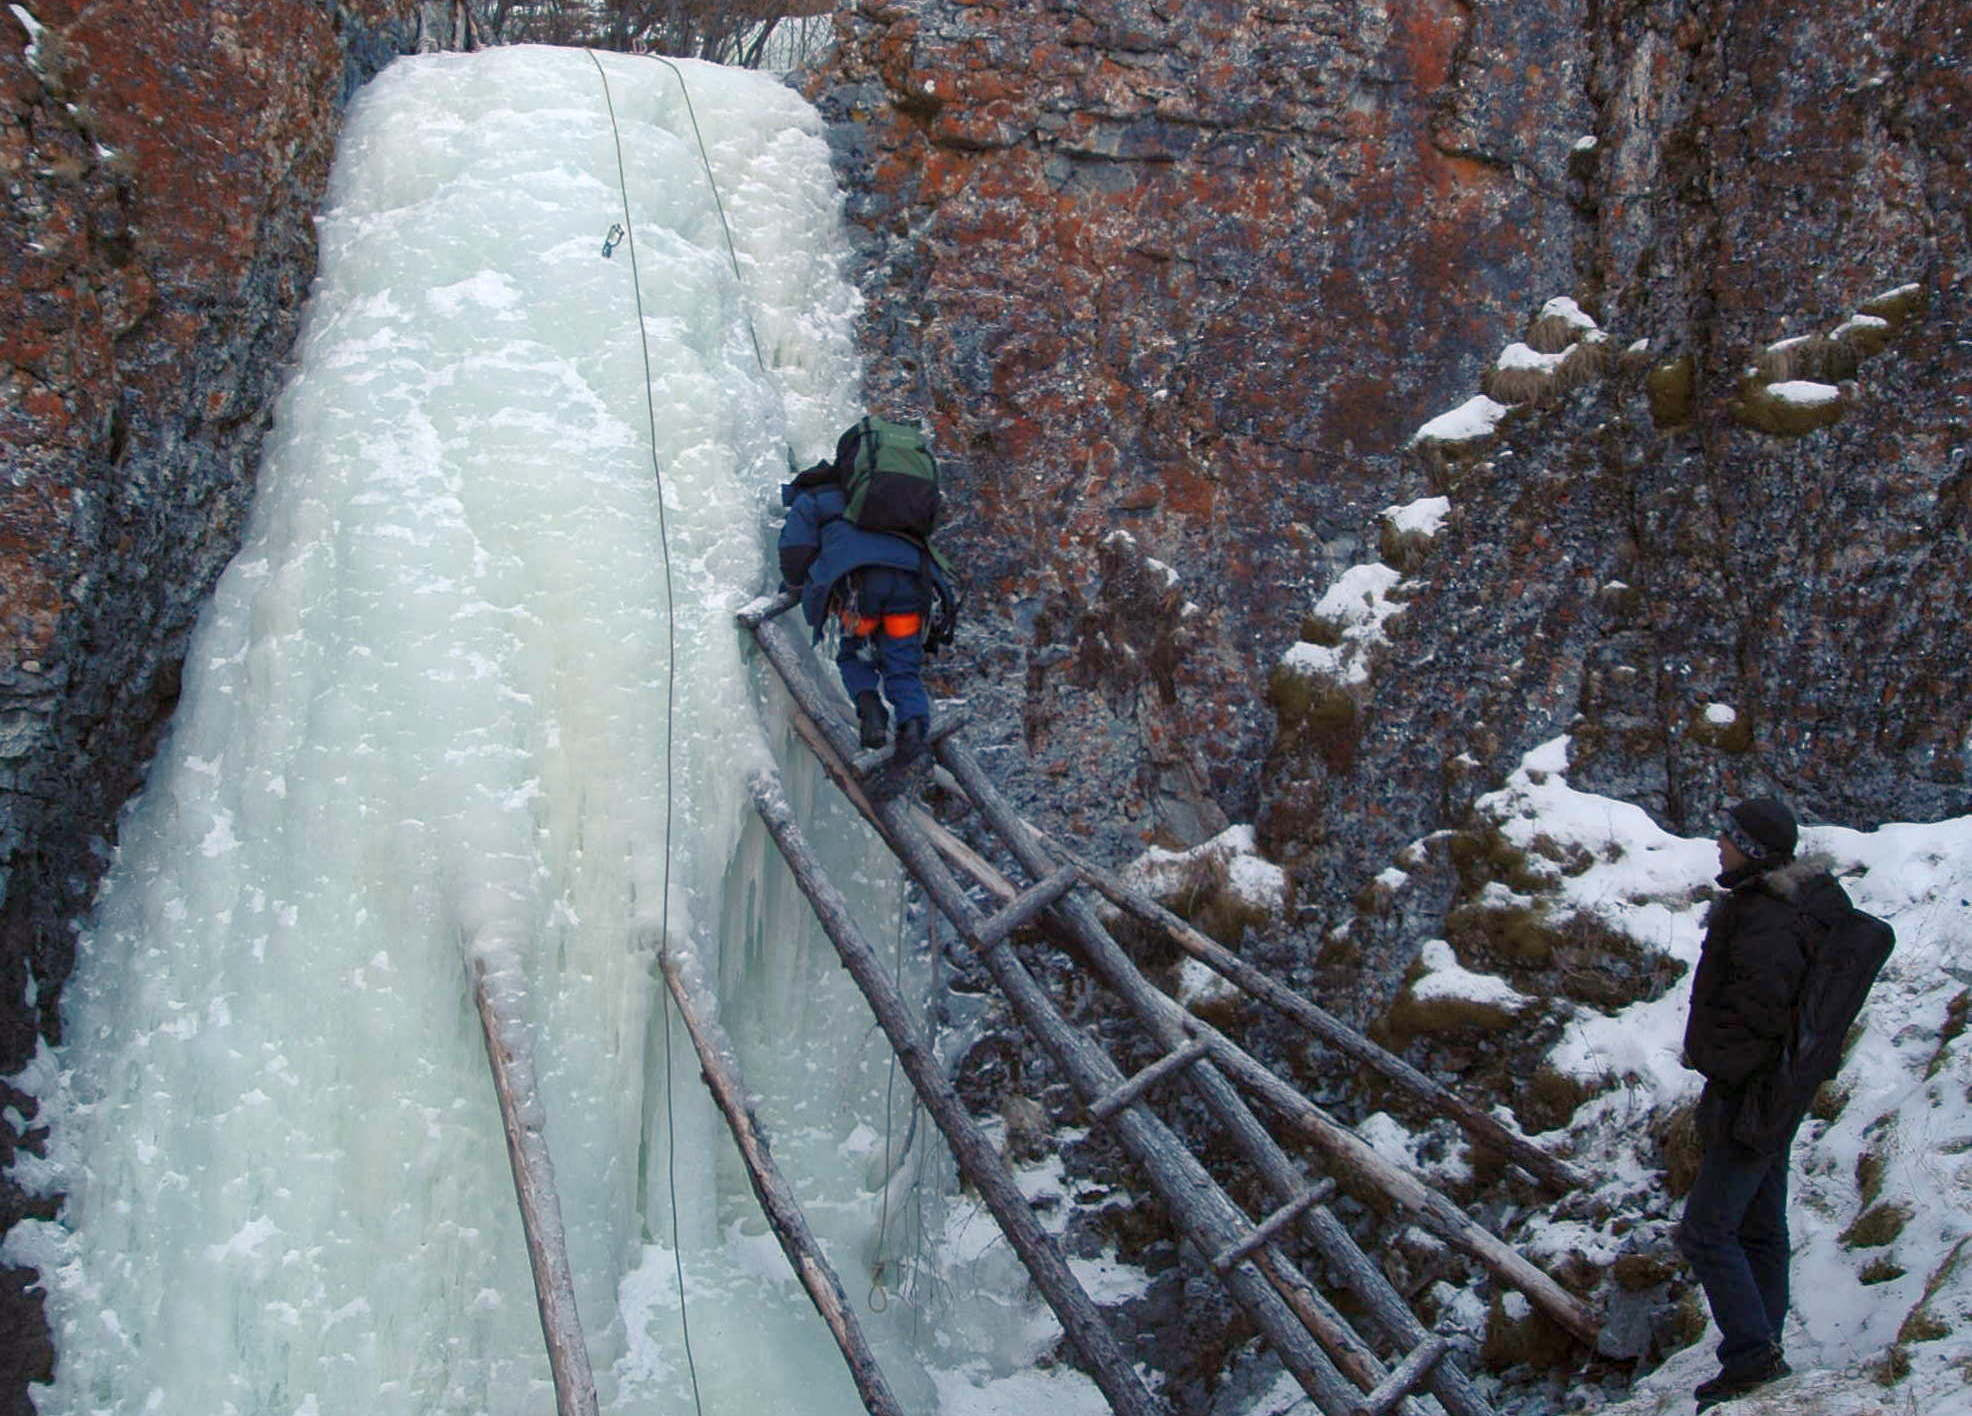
(885, 587)
(1755, 956)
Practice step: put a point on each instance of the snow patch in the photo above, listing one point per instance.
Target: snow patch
(1859, 324)
(1525, 357)
(1805, 393)
(1562, 307)
(1423, 517)
(1250, 881)
(1473, 419)
(1446, 979)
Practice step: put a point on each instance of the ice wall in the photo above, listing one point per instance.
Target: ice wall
(433, 710)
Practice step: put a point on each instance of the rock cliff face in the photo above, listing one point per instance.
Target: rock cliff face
(1176, 284)
(1344, 399)
(1187, 273)
(162, 161)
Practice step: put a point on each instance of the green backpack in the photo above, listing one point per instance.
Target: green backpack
(892, 480)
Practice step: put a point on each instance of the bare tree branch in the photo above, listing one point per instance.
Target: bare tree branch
(739, 32)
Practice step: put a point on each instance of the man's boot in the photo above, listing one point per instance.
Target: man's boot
(910, 740)
(1741, 1378)
(872, 722)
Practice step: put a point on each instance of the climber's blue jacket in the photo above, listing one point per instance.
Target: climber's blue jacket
(819, 545)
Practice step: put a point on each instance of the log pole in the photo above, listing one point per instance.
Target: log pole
(720, 1068)
(1352, 1156)
(971, 1147)
(524, 1121)
(1485, 1129)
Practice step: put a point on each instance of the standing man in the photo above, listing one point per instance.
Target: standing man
(880, 584)
(1734, 1231)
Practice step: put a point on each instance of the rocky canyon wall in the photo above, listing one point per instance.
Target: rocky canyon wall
(1176, 285)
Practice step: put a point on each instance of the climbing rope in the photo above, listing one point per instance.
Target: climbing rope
(626, 232)
(732, 251)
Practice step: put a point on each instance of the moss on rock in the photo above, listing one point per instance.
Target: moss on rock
(1710, 729)
(1320, 629)
(1878, 1226)
(1518, 1334)
(1881, 1269)
(1677, 1143)
(1411, 1016)
(1637, 1273)
(1760, 408)
(1550, 1099)
(1831, 1099)
(1869, 1177)
(1955, 1019)
(1669, 386)
(1315, 712)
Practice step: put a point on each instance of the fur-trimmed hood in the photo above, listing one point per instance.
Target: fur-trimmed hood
(1786, 882)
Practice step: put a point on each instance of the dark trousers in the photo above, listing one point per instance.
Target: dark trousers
(1734, 1233)
(896, 662)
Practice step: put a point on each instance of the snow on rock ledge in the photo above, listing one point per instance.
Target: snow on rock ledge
(1445, 995)
(1460, 433)
(1882, 1185)
(1405, 533)
(1223, 886)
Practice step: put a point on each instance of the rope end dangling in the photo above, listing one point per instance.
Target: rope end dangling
(613, 239)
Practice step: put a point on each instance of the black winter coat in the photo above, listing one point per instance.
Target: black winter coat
(1742, 996)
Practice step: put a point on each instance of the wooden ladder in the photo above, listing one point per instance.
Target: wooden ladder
(1338, 1369)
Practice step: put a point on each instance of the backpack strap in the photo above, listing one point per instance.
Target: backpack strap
(820, 475)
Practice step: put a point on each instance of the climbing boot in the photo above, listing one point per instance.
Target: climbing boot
(1741, 1378)
(872, 723)
(910, 740)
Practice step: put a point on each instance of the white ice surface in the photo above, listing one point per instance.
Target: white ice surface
(425, 723)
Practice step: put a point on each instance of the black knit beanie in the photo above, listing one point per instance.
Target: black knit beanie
(1763, 829)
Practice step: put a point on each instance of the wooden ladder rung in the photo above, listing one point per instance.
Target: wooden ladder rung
(1269, 1229)
(868, 760)
(1022, 908)
(1404, 1378)
(1107, 1106)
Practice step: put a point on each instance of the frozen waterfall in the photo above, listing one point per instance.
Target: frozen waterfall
(426, 713)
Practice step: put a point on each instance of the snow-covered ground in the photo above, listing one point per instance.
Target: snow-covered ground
(1883, 1309)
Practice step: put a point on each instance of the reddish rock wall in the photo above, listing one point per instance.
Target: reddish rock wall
(1175, 283)
(162, 160)
(1196, 272)
(1192, 273)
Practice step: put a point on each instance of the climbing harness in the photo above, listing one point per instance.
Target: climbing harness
(862, 626)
